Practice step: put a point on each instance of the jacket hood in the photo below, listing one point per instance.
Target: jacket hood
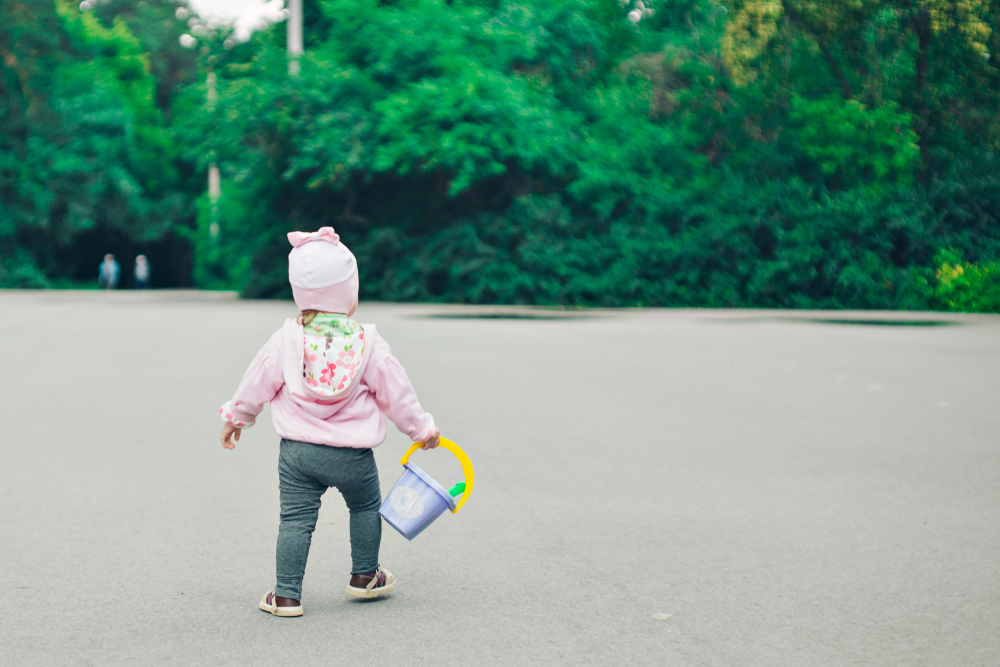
(330, 366)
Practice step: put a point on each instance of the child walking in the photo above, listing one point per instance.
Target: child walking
(331, 382)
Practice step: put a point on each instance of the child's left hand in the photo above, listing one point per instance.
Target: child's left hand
(433, 441)
(228, 431)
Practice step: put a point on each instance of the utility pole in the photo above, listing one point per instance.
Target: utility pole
(214, 182)
(294, 35)
(214, 178)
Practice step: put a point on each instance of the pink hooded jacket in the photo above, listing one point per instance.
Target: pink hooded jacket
(356, 418)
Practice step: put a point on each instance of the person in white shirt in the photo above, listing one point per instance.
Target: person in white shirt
(141, 272)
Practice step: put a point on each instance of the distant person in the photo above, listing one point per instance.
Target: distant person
(141, 273)
(108, 273)
(328, 407)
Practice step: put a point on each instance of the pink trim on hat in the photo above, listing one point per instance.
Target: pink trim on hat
(324, 234)
(339, 298)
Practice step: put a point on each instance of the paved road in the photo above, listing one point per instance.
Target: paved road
(653, 488)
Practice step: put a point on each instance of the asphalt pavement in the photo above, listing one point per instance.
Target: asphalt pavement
(653, 487)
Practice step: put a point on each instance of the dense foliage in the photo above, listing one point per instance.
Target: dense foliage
(786, 153)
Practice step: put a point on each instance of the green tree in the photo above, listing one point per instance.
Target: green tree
(83, 149)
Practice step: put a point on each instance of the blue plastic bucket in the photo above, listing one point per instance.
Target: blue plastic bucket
(414, 502)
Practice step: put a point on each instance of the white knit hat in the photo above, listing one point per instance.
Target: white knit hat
(322, 271)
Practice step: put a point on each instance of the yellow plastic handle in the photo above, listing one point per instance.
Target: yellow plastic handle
(470, 474)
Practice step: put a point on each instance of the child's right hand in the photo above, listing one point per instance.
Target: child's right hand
(432, 441)
(227, 433)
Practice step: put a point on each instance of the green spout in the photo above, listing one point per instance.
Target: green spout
(457, 489)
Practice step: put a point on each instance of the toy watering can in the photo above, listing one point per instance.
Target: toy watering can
(416, 499)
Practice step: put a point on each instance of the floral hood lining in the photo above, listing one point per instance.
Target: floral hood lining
(333, 349)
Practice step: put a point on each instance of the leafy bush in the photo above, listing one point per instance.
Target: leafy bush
(740, 245)
(18, 269)
(966, 287)
(851, 145)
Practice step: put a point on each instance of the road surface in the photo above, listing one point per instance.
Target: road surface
(660, 487)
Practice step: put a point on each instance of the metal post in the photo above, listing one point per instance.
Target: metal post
(210, 82)
(214, 182)
(214, 178)
(294, 26)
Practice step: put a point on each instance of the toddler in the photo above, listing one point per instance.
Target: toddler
(331, 382)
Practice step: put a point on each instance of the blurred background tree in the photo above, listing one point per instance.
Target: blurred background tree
(777, 153)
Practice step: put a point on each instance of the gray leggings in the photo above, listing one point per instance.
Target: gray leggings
(305, 472)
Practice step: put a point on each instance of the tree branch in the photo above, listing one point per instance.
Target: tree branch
(824, 47)
(845, 86)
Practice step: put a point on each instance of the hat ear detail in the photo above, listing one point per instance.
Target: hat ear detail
(327, 234)
(298, 238)
(324, 234)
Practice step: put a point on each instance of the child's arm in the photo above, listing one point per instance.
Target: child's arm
(395, 397)
(260, 383)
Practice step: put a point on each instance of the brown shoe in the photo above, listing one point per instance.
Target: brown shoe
(371, 585)
(269, 603)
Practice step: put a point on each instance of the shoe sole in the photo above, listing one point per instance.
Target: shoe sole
(284, 612)
(374, 593)
(279, 612)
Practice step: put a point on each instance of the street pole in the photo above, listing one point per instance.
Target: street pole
(214, 178)
(214, 183)
(212, 95)
(294, 36)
